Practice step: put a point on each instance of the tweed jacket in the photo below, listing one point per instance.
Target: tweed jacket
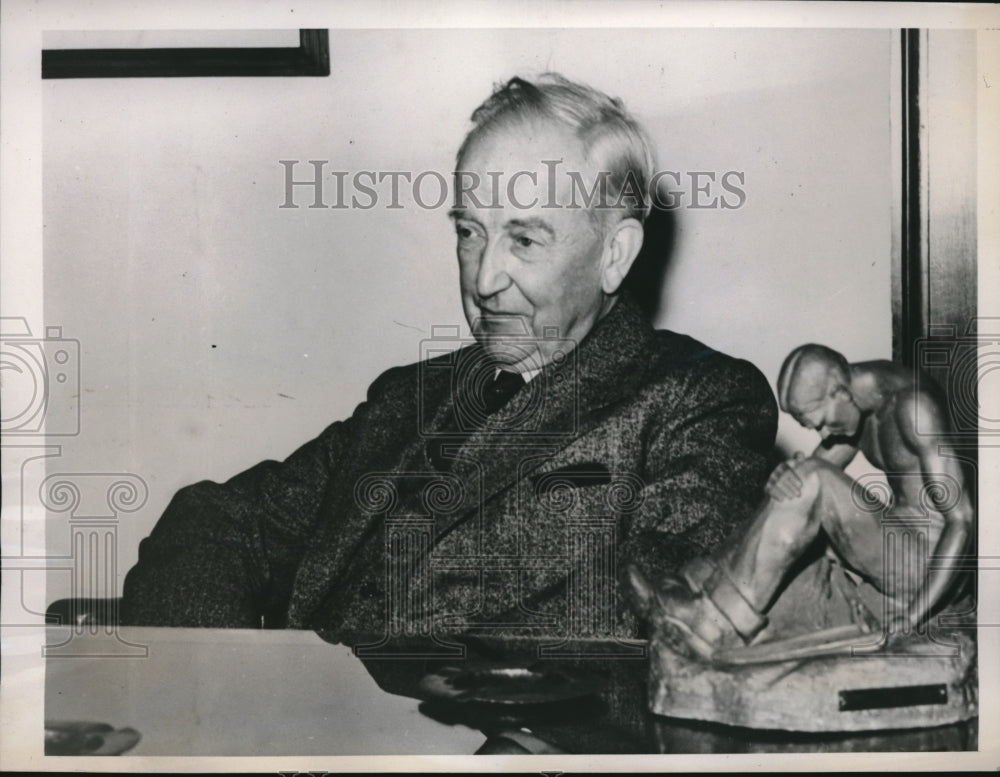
(637, 446)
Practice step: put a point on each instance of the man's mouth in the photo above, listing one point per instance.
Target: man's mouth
(501, 323)
(491, 312)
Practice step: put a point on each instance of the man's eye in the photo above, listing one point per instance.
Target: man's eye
(464, 233)
(524, 241)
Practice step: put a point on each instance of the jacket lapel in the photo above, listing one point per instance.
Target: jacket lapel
(545, 416)
(555, 408)
(349, 539)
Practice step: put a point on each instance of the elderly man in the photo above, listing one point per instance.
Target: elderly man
(900, 425)
(494, 488)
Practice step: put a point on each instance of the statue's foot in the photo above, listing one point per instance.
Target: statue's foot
(689, 623)
(696, 614)
(685, 621)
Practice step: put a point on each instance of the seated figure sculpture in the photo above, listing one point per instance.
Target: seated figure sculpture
(759, 598)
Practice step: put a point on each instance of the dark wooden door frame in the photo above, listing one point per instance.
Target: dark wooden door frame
(909, 311)
(934, 267)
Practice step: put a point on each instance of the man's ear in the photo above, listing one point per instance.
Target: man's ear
(621, 248)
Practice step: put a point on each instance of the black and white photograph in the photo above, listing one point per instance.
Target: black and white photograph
(483, 386)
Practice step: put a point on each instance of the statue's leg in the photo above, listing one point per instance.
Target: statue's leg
(856, 533)
(722, 599)
(781, 531)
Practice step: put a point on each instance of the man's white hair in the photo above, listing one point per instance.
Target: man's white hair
(612, 139)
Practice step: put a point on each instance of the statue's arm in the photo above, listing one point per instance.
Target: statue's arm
(945, 487)
(785, 483)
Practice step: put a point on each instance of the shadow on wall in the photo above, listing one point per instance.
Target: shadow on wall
(648, 275)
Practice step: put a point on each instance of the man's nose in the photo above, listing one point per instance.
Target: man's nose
(492, 277)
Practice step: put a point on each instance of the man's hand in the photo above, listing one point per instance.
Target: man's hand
(784, 482)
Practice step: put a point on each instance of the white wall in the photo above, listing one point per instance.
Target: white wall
(217, 329)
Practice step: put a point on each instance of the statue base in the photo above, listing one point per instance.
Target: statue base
(922, 684)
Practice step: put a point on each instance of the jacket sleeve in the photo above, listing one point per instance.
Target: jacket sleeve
(706, 464)
(225, 555)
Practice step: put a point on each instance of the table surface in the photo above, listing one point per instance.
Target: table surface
(208, 692)
(233, 692)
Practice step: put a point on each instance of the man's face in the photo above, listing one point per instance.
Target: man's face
(527, 269)
(818, 401)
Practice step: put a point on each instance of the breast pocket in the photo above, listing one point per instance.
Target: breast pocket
(588, 488)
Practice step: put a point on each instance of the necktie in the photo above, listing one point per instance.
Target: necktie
(489, 399)
(499, 392)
